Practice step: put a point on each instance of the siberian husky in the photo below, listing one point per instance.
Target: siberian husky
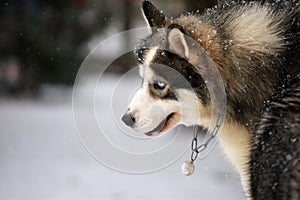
(256, 48)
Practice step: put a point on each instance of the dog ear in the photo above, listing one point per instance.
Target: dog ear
(177, 43)
(153, 16)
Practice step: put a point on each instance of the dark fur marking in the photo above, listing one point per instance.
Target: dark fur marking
(154, 16)
(140, 52)
(171, 26)
(181, 74)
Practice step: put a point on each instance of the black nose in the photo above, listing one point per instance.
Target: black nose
(128, 119)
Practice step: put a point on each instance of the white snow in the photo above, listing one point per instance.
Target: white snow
(42, 158)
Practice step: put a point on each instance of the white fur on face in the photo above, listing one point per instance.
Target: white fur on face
(149, 57)
(190, 108)
(150, 111)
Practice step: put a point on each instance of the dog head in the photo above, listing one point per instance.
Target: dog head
(173, 92)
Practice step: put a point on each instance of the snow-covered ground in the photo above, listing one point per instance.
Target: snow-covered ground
(42, 158)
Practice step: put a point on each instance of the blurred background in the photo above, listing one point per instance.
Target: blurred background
(42, 45)
(46, 41)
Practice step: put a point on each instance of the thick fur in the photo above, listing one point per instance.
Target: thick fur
(255, 46)
(251, 44)
(275, 154)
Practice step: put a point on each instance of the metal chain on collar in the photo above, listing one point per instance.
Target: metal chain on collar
(188, 166)
(197, 149)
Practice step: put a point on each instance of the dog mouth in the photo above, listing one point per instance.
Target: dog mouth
(170, 121)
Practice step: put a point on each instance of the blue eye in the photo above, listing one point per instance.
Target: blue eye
(158, 85)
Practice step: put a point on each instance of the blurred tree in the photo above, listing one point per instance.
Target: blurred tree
(46, 37)
(42, 41)
(200, 5)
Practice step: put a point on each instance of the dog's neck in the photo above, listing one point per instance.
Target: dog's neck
(235, 140)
